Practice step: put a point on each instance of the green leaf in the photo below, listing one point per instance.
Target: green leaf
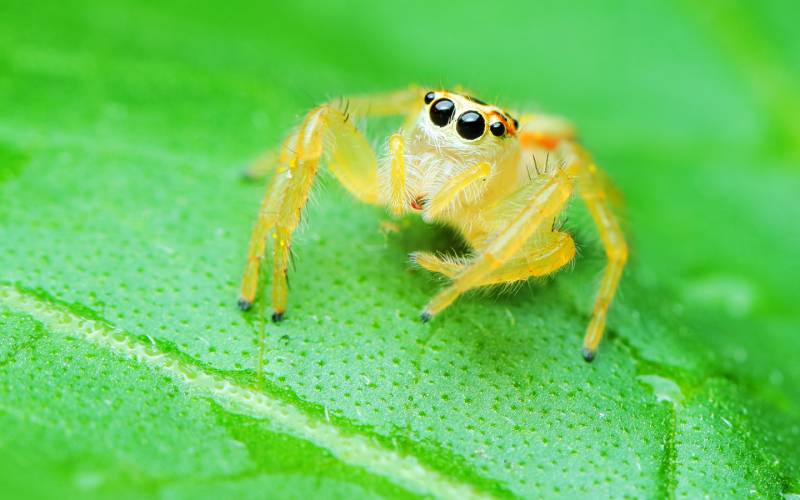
(126, 369)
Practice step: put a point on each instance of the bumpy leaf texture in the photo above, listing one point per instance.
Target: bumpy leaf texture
(127, 371)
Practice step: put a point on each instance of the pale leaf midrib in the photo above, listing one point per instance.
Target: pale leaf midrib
(354, 449)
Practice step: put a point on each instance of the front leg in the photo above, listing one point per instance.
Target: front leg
(544, 204)
(397, 175)
(540, 259)
(351, 159)
(453, 187)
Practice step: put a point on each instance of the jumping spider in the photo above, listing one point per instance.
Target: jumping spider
(499, 181)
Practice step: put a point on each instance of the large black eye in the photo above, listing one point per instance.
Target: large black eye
(429, 97)
(470, 125)
(497, 128)
(442, 112)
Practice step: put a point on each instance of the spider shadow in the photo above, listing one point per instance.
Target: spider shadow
(416, 235)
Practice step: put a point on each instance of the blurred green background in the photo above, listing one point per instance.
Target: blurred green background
(124, 128)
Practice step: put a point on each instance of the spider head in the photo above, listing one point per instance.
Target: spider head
(461, 123)
(453, 132)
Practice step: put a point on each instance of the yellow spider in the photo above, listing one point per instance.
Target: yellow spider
(501, 182)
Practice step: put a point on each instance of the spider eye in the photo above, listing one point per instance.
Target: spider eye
(429, 97)
(471, 125)
(497, 128)
(442, 112)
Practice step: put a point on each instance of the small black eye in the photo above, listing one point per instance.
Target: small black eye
(471, 125)
(429, 97)
(497, 128)
(442, 112)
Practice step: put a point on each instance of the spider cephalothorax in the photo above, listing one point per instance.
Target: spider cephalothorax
(500, 182)
(468, 115)
(451, 134)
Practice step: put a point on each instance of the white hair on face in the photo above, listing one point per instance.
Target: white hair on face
(447, 141)
(434, 154)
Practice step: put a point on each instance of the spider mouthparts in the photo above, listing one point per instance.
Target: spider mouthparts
(419, 202)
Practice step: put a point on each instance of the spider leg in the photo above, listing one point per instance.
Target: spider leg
(407, 102)
(548, 133)
(267, 216)
(449, 266)
(351, 160)
(542, 205)
(453, 187)
(263, 165)
(595, 195)
(397, 176)
(272, 159)
(539, 259)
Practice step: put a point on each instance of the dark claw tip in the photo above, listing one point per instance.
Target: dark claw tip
(277, 316)
(245, 305)
(588, 354)
(425, 316)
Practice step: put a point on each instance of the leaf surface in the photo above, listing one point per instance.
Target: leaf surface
(126, 370)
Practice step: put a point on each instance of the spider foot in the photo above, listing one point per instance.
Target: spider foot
(244, 305)
(588, 354)
(277, 317)
(425, 316)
